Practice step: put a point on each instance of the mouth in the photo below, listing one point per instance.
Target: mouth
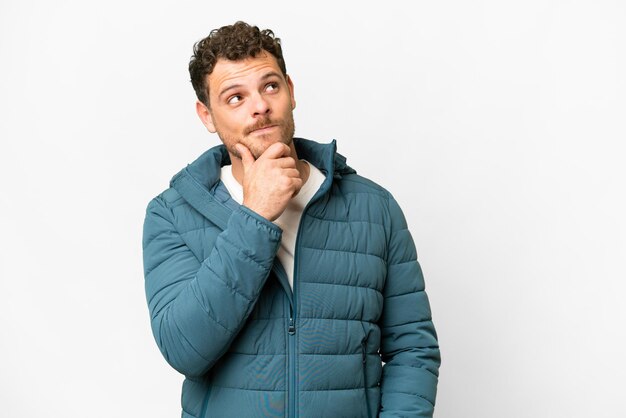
(263, 130)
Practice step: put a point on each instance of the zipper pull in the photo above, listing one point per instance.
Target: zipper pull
(292, 327)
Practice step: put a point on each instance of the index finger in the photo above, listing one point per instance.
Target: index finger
(247, 159)
(276, 150)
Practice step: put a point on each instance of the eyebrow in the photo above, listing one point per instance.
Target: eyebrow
(231, 87)
(236, 86)
(270, 74)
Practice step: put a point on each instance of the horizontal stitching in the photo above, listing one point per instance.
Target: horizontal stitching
(308, 215)
(324, 319)
(328, 390)
(252, 390)
(149, 271)
(337, 319)
(332, 354)
(301, 390)
(413, 260)
(232, 289)
(304, 354)
(373, 192)
(404, 294)
(162, 289)
(410, 350)
(360, 353)
(409, 393)
(201, 227)
(256, 354)
(375, 189)
(342, 251)
(209, 315)
(344, 285)
(267, 319)
(189, 342)
(429, 319)
(242, 251)
(151, 240)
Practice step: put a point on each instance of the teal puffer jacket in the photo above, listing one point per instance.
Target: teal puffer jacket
(224, 315)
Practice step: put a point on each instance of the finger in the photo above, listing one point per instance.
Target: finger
(286, 162)
(297, 183)
(276, 150)
(247, 158)
(291, 173)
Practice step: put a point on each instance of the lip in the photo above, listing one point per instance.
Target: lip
(264, 130)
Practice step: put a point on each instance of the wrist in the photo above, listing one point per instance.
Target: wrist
(259, 211)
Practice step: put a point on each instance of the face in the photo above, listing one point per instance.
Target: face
(251, 103)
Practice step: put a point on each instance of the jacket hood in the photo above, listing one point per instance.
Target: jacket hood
(198, 183)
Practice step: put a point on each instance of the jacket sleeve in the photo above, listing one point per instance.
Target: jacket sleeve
(409, 342)
(198, 307)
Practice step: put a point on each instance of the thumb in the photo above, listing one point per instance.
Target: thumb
(247, 158)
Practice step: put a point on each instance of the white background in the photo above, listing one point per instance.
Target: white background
(498, 126)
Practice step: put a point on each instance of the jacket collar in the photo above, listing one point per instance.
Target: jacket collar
(199, 183)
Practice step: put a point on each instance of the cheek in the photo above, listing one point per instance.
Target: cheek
(228, 123)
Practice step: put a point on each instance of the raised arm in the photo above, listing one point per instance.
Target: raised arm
(197, 307)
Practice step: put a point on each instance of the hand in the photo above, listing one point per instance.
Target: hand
(269, 182)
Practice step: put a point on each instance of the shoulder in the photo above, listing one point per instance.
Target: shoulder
(359, 183)
(354, 198)
(355, 183)
(370, 199)
(168, 207)
(168, 199)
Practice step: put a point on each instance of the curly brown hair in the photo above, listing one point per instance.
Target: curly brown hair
(234, 42)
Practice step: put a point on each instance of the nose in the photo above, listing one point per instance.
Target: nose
(260, 105)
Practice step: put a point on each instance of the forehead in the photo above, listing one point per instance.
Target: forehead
(226, 72)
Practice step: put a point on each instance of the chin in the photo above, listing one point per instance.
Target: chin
(259, 145)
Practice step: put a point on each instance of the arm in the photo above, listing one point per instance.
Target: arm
(197, 308)
(409, 342)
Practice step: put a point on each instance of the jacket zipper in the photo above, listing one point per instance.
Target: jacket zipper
(293, 386)
(291, 331)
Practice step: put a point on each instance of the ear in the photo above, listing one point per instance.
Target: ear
(205, 116)
(293, 98)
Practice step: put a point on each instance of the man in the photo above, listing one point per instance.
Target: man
(278, 280)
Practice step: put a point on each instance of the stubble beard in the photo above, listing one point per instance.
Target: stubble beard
(287, 130)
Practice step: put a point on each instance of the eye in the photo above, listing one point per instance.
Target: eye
(234, 99)
(271, 87)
